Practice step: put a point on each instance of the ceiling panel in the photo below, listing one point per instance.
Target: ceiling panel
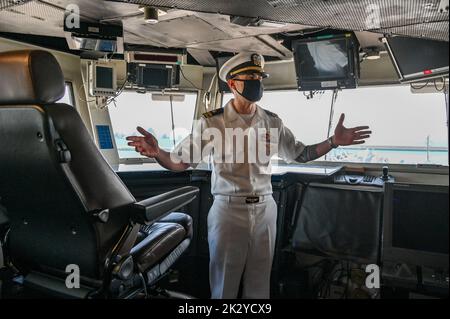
(252, 44)
(188, 30)
(209, 27)
(38, 16)
(5, 4)
(417, 18)
(176, 29)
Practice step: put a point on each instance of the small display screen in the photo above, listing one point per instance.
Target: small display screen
(419, 57)
(156, 77)
(104, 77)
(87, 44)
(106, 46)
(323, 60)
(421, 221)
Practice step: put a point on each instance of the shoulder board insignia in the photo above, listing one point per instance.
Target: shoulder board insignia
(270, 113)
(210, 114)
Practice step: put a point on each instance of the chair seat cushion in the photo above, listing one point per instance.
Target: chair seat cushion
(179, 218)
(161, 240)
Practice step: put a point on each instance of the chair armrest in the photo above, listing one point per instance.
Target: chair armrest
(3, 217)
(4, 222)
(150, 210)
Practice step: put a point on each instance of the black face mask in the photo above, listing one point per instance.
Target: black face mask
(253, 90)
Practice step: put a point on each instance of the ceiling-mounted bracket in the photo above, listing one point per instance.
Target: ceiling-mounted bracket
(443, 6)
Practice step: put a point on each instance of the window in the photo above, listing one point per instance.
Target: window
(68, 95)
(135, 109)
(407, 128)
(308, 119)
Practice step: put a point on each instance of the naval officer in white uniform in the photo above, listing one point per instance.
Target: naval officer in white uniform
(242, 220)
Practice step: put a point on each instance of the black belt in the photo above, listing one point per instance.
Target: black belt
(243, 199)
(252, 200)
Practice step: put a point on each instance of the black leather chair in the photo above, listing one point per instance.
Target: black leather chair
(65, 204)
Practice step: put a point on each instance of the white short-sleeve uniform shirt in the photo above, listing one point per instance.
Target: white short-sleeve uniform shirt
(232, 177)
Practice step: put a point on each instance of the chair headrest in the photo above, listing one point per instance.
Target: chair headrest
(30, 77)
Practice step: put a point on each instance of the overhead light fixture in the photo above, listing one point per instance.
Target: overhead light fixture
(271, 24)
(429, 6)
(443, 6)
(151, 15)
(372, 53)
(243, 21)
(256, 22)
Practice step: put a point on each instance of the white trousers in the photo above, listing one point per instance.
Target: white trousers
(241, 241)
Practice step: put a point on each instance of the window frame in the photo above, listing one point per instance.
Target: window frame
(139, 161)
(68, 85)
(418, 168)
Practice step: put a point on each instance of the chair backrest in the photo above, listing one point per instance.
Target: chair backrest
(53, 179)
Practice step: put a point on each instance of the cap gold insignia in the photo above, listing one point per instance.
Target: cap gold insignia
(257, 60)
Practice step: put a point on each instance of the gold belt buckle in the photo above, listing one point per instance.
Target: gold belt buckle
(252, 200)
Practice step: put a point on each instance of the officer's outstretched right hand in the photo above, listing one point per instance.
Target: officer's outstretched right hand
(146, 145)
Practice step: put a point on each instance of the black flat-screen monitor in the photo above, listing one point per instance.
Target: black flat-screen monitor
(418, 59)
(340, 221)
(416, 225)
(153, 76)
(327, 62)
(104, 77)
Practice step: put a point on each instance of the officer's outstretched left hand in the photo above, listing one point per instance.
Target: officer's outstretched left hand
(350, 136)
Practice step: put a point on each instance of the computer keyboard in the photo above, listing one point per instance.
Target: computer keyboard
(365, 180)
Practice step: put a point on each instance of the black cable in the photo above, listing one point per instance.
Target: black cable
(184, 76)
(330, 279)
(118, 93)
(173, 121)
(296, 34)
(144, 285)
(332, 107)
(419, 88)
(347, 284)
(323, 280)
(324, 288)
(444, 86)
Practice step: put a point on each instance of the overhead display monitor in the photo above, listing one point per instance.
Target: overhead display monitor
(418, 59)
(153, 76)
(104, 78)
(327, 62)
